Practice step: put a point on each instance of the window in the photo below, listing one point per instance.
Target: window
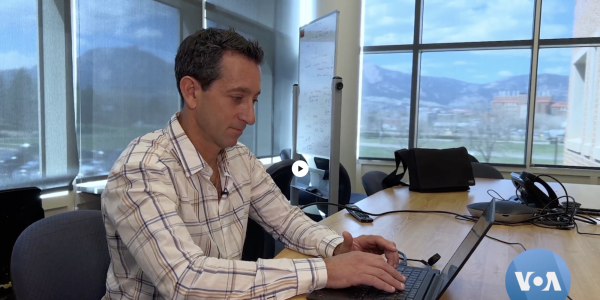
(553, 85)
(388, 22)
(79, 80)
(126, 84)
(385, 105)
(558, 19)
(19, 128)
(35, 146)
(566, 116)
(475, 85)
(475, 99)
(477, 20)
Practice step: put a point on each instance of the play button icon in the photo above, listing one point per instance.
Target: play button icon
(300, 168)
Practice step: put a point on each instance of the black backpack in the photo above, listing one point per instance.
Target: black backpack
(432, 170)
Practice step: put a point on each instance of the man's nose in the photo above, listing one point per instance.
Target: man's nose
(247, 114)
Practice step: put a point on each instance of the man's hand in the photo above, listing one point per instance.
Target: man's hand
(371, 244)
(357, 268)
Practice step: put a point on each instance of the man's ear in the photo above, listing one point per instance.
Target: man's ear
(188, 87)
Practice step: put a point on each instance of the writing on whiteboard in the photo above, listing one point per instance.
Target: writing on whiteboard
(316, 71)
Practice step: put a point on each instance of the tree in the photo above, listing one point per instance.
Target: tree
(22, 102)
(3, 104)
(485, 136)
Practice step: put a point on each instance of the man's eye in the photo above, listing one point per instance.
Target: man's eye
(238, 99)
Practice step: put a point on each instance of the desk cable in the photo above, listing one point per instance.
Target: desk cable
(556, 218)
(429, 263)
(546, 220)
(436, 257)
(563, 218)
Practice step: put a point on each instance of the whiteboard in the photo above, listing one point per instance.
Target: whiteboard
(316, 70)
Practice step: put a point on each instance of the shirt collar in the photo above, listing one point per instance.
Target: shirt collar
(191, 160)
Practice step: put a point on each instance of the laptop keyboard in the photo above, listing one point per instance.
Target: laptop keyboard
(414, 279)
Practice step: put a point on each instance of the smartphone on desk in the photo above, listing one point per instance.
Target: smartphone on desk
(359, 215)
(312, 189)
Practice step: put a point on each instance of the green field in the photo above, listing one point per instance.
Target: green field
(16, 142)
(503, 152)
(103, 138)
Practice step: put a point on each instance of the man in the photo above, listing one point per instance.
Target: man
(172, 231)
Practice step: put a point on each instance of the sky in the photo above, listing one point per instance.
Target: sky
(153, 26)
(146, 24)
(18, 33)
(392, 22)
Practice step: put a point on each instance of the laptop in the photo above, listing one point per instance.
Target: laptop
(421, 283)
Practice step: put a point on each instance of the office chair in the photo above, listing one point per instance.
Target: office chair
(485, 171)
(19, 208)
(372, 181)
(64, 256)
(285, 154)
(345, 194)
(473, 159)
(259, 243)
(281, 173)
(347, 185)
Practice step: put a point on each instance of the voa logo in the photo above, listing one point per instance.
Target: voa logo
(538, 274)
(524, 283)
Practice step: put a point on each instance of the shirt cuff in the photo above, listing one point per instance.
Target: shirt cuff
(328, 244)
(311, 274)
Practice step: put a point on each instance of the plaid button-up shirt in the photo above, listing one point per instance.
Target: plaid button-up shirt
(170, 237)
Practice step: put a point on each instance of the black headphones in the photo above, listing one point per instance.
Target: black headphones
(532, 195)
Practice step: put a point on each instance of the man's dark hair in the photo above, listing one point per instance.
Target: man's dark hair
(200, 55)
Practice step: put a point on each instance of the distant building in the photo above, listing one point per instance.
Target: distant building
(582, 139)
(515, 105)
(559, 109)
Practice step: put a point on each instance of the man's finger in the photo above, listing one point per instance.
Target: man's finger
(347, 239)
(386, 277)
(379, 243)
(377, 262)
(392, 258)
(375, 282)
(347, 236)
(386, 245)
(392, 271)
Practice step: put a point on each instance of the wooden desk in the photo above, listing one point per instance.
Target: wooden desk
(420, 236)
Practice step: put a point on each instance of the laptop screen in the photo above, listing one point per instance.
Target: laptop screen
(467, 247)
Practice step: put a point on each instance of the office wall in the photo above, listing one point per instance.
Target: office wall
(286, 70)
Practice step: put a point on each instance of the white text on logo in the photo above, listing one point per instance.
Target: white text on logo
(537, 281)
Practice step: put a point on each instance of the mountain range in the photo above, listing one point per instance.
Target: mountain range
(384, 85)
(122, 69)
(132, 69)
(119, 70)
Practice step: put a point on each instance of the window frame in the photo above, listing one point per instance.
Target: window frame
(417, 48)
